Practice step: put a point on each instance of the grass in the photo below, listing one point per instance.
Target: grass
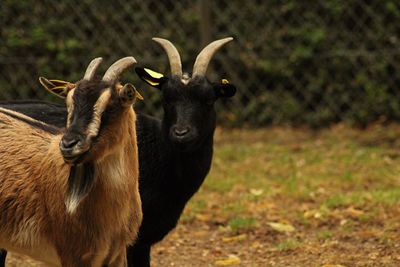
(388, 196)
(294, 197)
(324, 234)
(332, 169)
(239, 223)
(287, 245)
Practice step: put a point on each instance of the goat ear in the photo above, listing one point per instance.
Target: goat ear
(224, 89)
(128, 95)
(80, 181)
(151, 77)
(57, 87)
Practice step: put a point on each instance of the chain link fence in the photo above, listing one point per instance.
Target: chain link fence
(297, 62)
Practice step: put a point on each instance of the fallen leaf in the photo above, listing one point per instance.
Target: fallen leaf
(231, 260)
(234, 238)
(312, 213)
(332, 243)
(366, 234)
(282, 227)
(205, 253)
(373, 255)
(200, 233)
(255, 244)
(352, 212)
(308, 214)
(333, 265)
(203, 217)
(256, 192)
(317, 215)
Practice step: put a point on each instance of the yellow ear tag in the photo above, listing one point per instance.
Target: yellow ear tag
(225, 81)
(154, 74)
(152, 83)
(139, 96)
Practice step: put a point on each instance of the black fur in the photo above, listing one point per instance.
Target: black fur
(169, 176)
(3, 255)
(35, 124)
(53, 114)
(171, 169)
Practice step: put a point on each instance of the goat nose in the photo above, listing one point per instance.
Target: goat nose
(181, 131)
(68, 143)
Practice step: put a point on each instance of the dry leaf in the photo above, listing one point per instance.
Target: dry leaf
(234, 238)
(231, 260)
(373, 255)
(308, 214)
(282, 227)
(203, 217)
(352, 212)
(256, 192)
(256, 244)
(330, 244)
(312, 213)
(333, 265)
(201, 233)
(370, 234)
(317, 215)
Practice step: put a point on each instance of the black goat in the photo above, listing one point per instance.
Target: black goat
(175, 153)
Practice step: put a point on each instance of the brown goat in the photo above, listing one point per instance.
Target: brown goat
(71, 198)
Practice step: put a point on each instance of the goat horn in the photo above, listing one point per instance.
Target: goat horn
(117, 68)
(173, 55)
(203, 59)
(91, 69)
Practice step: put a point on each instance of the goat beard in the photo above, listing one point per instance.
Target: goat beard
(80, 182)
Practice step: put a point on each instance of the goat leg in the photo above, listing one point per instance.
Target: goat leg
(3, 254)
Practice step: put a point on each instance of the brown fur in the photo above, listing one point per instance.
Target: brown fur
(33, 180)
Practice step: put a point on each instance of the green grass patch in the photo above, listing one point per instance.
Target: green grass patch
(288, 244)
(337, 201)
(234, 209)
(324, 235)
(198, 206)
(240, 223)
(219, 185)
(388, 196)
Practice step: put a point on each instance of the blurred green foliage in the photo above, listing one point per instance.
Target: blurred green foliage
(318, 62)
(297, 62)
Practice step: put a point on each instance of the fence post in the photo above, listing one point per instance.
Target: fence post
(205, 22)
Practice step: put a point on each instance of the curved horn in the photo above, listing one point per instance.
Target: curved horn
(173, 55)
(92, 67)
(202, 60)
(117, 68)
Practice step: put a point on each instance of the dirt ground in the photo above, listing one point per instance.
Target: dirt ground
(292, 197)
